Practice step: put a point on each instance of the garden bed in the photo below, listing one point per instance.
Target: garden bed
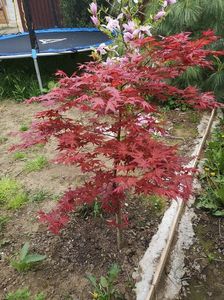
(86, 245)
(204, 274)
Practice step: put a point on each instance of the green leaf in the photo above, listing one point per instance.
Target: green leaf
(39, 296)
(219, 213)
(92, 280)
(103, 281)
(114, 271)
(20, 266)
(21, 294)
(24, 250)
(32, 258)
(206, 202)
(220, 194)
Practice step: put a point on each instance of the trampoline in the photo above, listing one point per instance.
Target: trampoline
(52, 42)
(48, 42)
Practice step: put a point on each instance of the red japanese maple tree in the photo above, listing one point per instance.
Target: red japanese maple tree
(113, 140)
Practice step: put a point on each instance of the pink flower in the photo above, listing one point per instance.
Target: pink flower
(171, 2)
(159, 15)
(136, 32)
(130, 26)
(120, 16)
(146, 30)
(109, 61)
(128, 37)
(93, 8)
(95, 20)
(102, 49)
(112, 24)
(133, 31)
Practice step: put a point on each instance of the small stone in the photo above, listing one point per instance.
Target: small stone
(136, 276)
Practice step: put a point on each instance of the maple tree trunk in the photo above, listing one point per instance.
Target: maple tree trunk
(118, 214)
(119, 231)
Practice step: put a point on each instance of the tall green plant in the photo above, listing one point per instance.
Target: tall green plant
(196, 16)
(212, 179)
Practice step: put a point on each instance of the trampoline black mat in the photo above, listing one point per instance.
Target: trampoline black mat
(52, 41)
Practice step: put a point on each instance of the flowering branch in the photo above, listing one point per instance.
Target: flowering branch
(126, 26)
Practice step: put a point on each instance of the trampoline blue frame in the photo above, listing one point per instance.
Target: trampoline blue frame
(12, 35)
(51, 51)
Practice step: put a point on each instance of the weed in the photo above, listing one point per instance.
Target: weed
(18, 201)
(104, 288)
(26, 261)
(39, 296)
(51, 85)
(12, 194)
(211, 257)
(173, 103)
(194, 117)
(156, 202)
(87, 210)
(55, 197)
(23, 294)
(3, 221)
(97, 210)
(19, 155)
(40, 195)
(23, 127)
(212, 198)
(36, 164)
(3, 139)
(17, 85)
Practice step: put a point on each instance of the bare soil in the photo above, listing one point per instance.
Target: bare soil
(87, 245)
